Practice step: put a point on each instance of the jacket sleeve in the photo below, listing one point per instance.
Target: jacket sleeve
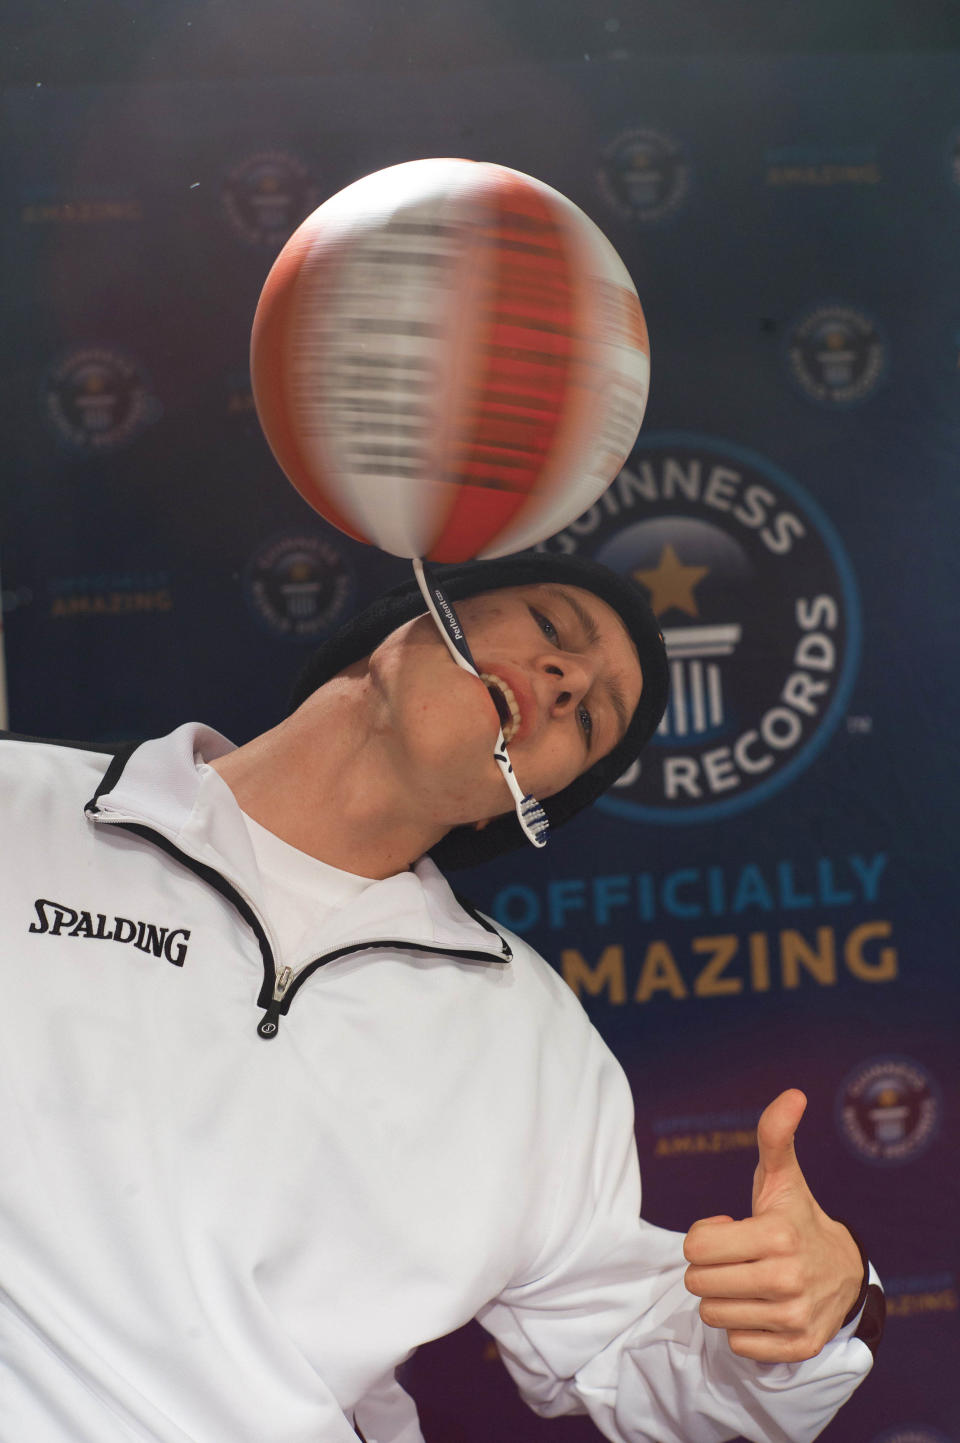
(602, 1323)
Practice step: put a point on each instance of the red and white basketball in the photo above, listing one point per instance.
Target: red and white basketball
(449, 360)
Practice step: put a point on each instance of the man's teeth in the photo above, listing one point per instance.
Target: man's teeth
(505, 701)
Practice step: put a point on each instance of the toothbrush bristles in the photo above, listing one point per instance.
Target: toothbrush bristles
(533, 820)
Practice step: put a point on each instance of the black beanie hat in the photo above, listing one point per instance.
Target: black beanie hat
(465, 846)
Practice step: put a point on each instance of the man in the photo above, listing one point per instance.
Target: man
(278, 1108)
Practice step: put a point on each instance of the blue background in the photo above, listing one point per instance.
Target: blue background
(149, 265)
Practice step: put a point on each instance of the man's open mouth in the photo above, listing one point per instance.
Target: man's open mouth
(506, 704)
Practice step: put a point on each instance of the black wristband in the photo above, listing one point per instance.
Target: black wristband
(870, 1301)
(865, 1263)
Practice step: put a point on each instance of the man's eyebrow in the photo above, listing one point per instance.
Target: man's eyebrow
(587, 624)
(591, 632)
(618, 702)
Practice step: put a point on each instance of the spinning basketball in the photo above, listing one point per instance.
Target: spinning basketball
(449, 360)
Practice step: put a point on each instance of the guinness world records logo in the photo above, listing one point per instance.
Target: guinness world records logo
(953, 158)
(644, 175)
(267, 195)
(888, 1110)
(98, 399)
(760, 615)
(298, 586)
(836, 355)
(911, 1433)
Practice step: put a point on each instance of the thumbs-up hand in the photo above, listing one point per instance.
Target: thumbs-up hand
(782, 1281)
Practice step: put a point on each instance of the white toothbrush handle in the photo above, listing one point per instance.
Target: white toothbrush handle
(448, 623)
(530, 814)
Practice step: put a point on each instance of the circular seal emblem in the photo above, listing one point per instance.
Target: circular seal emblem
(908, 1433)
(953, 158)
(266, 197)
(644, 175)
(98, 400)
(836, 355)
(298, 586)
(759, 612)
(888, 1110)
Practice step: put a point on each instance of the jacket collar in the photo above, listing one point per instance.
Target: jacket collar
(162, 785)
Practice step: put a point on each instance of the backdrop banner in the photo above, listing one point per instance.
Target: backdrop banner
(768, 900)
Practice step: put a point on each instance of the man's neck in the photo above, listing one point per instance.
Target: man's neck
(322, 782)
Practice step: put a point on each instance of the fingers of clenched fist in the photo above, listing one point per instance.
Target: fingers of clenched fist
(780, 1282)
(779, 1289)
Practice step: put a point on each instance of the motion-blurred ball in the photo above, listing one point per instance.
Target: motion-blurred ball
(449, 360)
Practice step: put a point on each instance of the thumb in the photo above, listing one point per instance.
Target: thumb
(775, 1133)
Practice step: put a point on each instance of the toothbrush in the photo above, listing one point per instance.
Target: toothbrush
(530, 814)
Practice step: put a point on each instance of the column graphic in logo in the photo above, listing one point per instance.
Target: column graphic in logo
(836, 355)
(759, 612)
(696, 681)
(644, 175)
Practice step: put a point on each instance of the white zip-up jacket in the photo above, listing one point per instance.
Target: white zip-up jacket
(228, 1210)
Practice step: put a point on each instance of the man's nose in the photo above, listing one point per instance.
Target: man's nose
(568, 678)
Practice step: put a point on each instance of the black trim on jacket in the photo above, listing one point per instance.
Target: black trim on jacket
(109, 747)
(274, 1008)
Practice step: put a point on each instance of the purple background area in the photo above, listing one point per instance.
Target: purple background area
(128, 570)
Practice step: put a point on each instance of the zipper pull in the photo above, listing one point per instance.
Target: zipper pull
(270, 1021)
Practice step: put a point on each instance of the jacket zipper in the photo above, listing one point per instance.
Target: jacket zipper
(288, 983)
(269, 1023)
(278, 990)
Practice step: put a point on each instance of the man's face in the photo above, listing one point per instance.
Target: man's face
(560, 675)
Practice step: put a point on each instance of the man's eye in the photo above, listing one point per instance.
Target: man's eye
(546, 626)
(586, 722)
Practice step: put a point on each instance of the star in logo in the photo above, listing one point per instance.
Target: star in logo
(671, 584)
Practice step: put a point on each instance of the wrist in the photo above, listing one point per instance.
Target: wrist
(861, 1275)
